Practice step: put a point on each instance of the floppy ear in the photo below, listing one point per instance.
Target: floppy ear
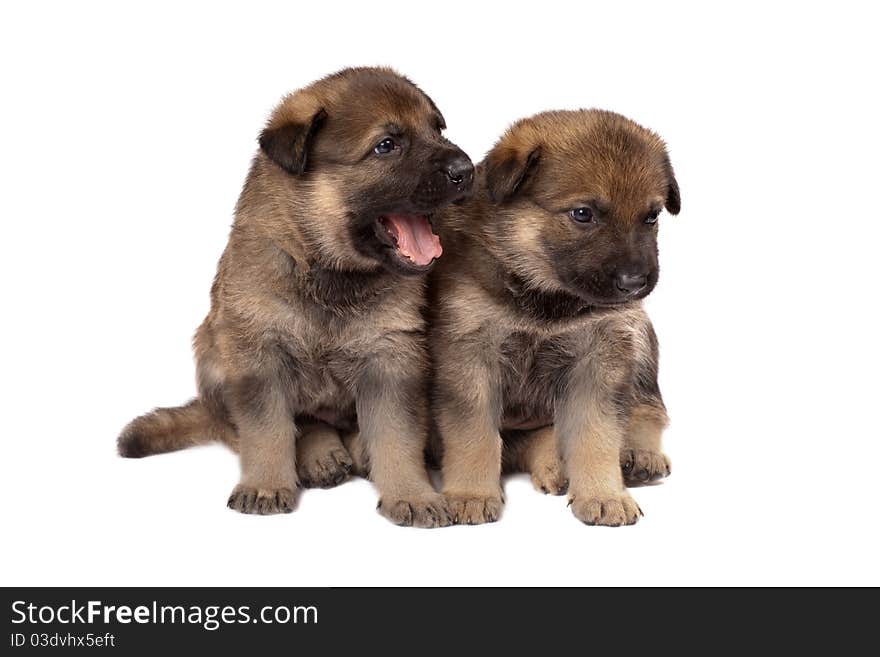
(673, 196)
(288, 145)
(507, 170)
(441, 122)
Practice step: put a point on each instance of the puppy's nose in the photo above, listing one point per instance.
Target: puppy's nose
(460, 170)
(629, 282)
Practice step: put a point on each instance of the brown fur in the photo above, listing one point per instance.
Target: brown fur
(542, 361)
(316, 329)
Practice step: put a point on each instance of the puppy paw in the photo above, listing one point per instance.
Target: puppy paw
(262, 501)
(475, 509)
(324, 469)
(642, 467)
(608, 510)
(550, 479)
(428, 512)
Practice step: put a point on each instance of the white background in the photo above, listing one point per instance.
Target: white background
(126, 134)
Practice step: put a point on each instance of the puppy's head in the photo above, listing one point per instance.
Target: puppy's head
(364, 154)
(575, 199)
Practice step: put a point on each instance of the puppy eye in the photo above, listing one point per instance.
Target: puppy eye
(651, 219)
(385, 146)
(581, 215)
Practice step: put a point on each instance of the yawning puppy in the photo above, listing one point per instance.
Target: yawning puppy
(315, 330)
(538, 337)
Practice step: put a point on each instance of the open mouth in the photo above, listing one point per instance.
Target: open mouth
(412, 238)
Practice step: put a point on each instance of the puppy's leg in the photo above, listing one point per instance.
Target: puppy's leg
(260, 410)
(467, 412)
(321, 459)
(591, 429)
(642, 458)
(536, 452)
(391, 400)
(357, 450)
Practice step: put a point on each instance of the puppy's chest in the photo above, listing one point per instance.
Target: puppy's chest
(532, 368)
(325, 349)
(326, 353)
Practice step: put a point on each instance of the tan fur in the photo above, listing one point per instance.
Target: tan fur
(642, 458)
(360, 458)
(536, 452)
(536, 363)
(315, 331)
(321, 459)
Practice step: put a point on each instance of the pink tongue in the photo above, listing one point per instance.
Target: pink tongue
(415, 240)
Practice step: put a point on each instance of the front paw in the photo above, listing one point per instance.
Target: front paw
(642, 467)
(610, 510)
(262, 501)
(475, 509)
(324, 469)
(417, 511)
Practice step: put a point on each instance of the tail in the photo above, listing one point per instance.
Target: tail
(170, 429)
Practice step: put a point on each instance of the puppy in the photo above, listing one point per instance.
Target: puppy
(544, 359)
(315, 332)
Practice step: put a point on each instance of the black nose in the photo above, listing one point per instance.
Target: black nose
(460, 170)
(630, 283)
